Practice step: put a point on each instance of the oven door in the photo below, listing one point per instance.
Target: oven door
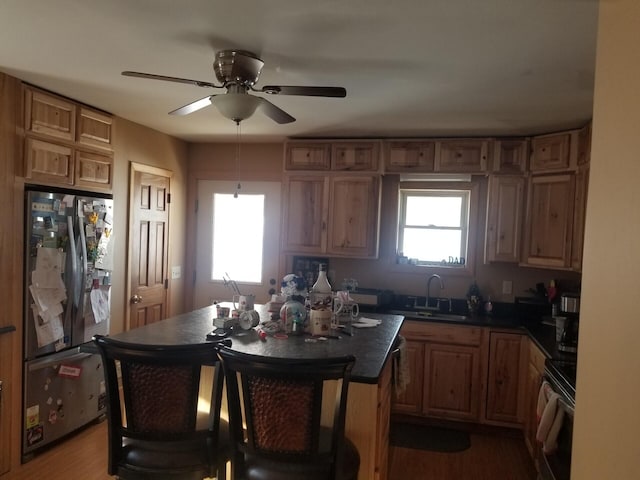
(557, 465)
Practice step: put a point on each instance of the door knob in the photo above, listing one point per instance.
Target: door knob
(136, 299)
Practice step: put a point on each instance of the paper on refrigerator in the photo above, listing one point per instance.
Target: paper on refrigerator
(47, 332)
(100, 303)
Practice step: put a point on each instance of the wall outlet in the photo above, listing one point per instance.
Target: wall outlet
(176, 272)
(507, 287)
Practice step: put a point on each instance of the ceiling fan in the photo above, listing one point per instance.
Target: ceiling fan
(238, 71)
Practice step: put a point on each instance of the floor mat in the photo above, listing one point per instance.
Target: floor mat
(424, 437)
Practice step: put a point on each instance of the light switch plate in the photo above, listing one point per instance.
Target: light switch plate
(176, 272)
(507, 287)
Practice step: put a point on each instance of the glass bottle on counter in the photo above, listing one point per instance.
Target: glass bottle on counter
(321, 290)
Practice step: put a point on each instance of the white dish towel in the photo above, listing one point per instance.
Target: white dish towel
(550, 416)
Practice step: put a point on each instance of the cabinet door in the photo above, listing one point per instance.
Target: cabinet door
(550, 152)
(510, 155)
(94, 129)
(579, 215)
(549, 220)
(462, 156)
(505, 383)
(354, 216)
(307, 156)
(355, 156)
(451, 381)
(305, 214)
(410, 401)
(93, 171)
(49, 115)
(535, 367)
(408, 156)
(383, 424)
(505, 208)
(49, 163)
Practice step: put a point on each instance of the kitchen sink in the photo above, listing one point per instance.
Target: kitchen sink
(430, 315)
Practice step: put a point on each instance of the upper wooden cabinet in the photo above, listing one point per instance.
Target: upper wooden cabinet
(462, 156)
(550, 152)
(355, 156)
(49, 162)
(323, 155)
(505, 216)
(337, 215)
(549, 226)
(409, 156)
(49, 115)
(307, 156)
(94, 129)
(510, 155)
(66, 143)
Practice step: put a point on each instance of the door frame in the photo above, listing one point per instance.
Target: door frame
(133, 168)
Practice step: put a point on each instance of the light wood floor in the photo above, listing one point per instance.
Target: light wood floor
(491, 457)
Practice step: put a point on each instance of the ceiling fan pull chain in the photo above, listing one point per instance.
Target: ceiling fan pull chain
(235, 195)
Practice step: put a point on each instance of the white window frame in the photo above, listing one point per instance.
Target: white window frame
(472, 189)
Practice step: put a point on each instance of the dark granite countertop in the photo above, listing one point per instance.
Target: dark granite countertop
(370, 346)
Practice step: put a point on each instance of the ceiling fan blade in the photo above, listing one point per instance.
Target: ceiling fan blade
(274, 113)
(152, 76)
(338, 92)
(193, 106)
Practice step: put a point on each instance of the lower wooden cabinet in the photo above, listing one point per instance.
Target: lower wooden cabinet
(466, 373)
(452, 381)
(506, 378)
(367, 424)
(535, 369)
(444, 370)
(410, 400)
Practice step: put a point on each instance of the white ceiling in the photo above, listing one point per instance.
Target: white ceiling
(411, 68)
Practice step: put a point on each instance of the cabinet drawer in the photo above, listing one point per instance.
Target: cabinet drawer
(436, 333)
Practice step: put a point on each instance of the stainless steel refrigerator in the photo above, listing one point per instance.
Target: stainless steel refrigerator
(67, 271)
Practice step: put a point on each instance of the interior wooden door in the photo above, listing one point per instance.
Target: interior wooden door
(148, 244)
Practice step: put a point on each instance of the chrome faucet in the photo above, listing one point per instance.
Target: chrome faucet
(435, 275)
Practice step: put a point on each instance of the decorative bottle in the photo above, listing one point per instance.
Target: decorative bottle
(321, 290)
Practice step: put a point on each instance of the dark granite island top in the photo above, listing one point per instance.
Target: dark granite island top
(371, 346)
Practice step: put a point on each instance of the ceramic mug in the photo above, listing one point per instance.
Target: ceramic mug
(320, 321)
(243, 302)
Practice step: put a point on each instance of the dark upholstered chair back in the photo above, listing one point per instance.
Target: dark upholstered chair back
(155, 429)
(280, 402)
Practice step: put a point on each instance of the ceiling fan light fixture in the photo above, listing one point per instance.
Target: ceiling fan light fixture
(236, 106)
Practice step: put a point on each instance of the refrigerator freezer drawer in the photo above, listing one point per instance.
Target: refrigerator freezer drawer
(63, 392)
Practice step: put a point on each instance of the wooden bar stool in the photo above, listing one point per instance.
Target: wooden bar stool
(280, 401)
(155, 430)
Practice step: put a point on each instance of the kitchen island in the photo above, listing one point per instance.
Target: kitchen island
(369, 401)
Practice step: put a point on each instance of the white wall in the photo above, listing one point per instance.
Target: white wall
(607, 422)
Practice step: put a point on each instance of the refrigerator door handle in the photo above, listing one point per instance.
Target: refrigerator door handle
(74, 356)
(83, 274)
(74, 262)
